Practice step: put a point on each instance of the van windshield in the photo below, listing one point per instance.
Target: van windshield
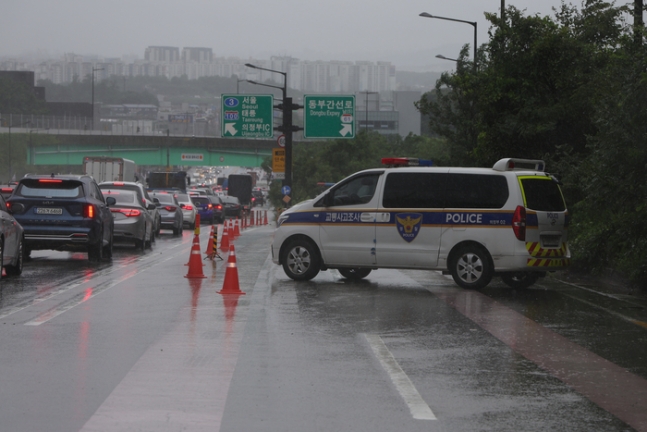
(542, 193)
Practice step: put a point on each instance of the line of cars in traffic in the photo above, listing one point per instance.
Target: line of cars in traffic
(73, 213)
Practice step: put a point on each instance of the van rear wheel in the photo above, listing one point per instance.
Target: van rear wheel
(471, 267)
(301, 260)
(520, 280)
(354, 273)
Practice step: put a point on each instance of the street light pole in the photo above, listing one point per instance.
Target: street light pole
(286, 127)
(93, 71)
(472, 23)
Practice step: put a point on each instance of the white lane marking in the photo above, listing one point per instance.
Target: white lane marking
(64, 287)
(418, 407)
(92, 292)
(182, 380)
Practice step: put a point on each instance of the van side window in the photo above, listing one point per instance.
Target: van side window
(445, 190)
(358, 190)
(413, 190)
(475, 191)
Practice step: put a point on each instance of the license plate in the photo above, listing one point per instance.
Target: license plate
(49, 211)
(551, 241)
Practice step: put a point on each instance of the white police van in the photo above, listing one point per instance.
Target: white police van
(473, 223)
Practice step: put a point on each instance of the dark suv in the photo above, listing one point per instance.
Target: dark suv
(65, 213)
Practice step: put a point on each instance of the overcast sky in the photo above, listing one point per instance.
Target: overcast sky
(374, 30)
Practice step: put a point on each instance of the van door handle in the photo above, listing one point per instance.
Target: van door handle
(367, 217)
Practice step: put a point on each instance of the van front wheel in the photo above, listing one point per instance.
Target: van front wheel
(471, 268)
(301, 260)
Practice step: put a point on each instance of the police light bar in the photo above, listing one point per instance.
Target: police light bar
(406, 162)
(511, 164)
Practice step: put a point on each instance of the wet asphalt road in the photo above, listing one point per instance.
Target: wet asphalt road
(133, 345)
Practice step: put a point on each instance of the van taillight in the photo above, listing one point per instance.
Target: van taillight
(519, 223)
(88, 211)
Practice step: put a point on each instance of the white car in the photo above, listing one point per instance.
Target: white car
(188, 209)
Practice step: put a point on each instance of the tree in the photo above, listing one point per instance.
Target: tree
(535, 88)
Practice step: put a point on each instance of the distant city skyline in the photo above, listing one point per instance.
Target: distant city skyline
(327, 30)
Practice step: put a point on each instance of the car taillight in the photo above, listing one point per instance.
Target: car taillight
(218, 207)
(89, 211)
(187, 207)
(170, 208)
(127, 212)
(210, 206)
(519, 223)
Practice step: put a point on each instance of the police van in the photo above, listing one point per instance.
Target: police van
(473, 223)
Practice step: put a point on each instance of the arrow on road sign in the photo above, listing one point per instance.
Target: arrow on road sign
(229, 128)
(346, 129)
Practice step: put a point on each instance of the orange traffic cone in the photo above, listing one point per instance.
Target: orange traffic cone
(230, 231)
(4, 272)
(236, 229)
(195, 261)
(244, 221)
(230, 284)
(252, 215)
(209, 249)
(224, 244)
(265, 222)
(196, 240)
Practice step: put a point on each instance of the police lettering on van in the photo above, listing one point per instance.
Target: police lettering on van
(473, 223)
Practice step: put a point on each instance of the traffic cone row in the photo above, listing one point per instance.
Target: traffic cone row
(231, 284)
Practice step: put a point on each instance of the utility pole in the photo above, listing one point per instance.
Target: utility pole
(638, 22)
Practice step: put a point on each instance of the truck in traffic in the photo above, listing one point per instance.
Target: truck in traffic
(240, 186)
(168, 180)
(103, 168)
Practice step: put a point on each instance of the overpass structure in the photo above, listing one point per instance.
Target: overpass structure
(70, 149)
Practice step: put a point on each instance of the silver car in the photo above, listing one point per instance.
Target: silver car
(144, 197)
(188, 209)
(170, 211)
(133, 223)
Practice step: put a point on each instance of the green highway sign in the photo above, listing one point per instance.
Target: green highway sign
(329, 116)
(247, 116)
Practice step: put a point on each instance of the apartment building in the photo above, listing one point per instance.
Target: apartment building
(196, 62)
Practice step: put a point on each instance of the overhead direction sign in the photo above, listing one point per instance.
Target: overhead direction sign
(329, 116)
(247, 116)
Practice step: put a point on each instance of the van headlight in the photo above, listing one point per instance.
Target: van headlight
(282, 219)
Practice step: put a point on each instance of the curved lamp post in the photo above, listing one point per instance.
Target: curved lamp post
(472, 23)
(440, 56)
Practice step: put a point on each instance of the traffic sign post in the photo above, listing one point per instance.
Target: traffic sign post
(329, 116)
(247, 116)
